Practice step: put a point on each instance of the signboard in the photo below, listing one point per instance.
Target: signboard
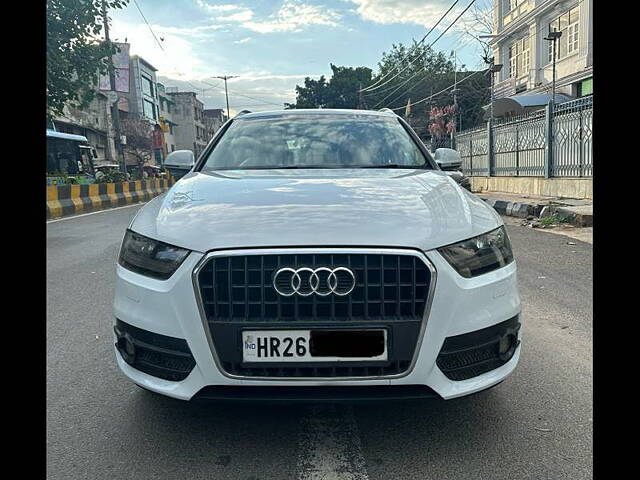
(121, 70)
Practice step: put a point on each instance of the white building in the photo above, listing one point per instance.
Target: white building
(519, 45)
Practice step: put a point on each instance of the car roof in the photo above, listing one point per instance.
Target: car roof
(317, 111)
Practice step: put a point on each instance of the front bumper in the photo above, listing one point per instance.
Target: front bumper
(459, 306)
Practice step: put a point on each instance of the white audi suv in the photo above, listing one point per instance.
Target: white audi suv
(316, 255)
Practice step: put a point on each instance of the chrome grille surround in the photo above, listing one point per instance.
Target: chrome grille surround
(307, 251)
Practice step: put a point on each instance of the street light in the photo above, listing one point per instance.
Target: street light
(494, 68)
(553, 37)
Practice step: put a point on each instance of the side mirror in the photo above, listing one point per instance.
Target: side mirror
(448, 159)
(179, 163)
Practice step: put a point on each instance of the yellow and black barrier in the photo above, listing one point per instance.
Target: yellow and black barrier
(65, 200)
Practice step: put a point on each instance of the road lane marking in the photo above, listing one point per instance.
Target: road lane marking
(94, 213)
(329, 443)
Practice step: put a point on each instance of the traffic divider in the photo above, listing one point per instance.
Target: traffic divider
(63, 200)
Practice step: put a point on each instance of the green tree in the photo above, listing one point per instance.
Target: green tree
(76, 53)
(422, 72)
(341, 91)
(313, 95)
(409, 73)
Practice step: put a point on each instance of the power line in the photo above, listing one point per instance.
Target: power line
(246, 96)
(442, 91)
(150, 29)
(374, 87)
(432, 43)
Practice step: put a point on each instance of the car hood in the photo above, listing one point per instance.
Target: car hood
(421, 209)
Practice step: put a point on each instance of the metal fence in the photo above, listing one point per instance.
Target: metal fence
(553, 142)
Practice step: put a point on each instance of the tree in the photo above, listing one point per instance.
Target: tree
(312, 95)
(138, 132)
(478, 22)
(405, 73)
(410, 72)
(341, 91)
(76, 54)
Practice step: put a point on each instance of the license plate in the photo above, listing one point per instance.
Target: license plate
(322, 345)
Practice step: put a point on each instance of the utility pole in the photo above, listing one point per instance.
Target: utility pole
(115, 113)
(226, 93)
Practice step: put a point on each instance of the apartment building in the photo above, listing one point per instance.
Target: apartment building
(191, 134)
(213, 120)
(520, 28)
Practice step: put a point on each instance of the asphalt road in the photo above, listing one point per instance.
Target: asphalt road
(537, 424)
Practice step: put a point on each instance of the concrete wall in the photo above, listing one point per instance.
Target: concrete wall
(581, 188)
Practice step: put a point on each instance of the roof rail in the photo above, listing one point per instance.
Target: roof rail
(387, 110)
(242, 112)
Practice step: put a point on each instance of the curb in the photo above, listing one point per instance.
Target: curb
(524, 210)
(63, 200)
(571, 217)
(514, 209)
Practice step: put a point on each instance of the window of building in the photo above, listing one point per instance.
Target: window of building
(519, 58)
(173, 147)
(510, 5)
(572, 38)
(147, 86)
(568, 43)
(149, 109)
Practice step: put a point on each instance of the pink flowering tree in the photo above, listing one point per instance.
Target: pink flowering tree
(442, 121)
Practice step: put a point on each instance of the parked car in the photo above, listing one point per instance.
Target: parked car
(316, 254)
(179, 163)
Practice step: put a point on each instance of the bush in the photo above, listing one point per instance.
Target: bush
(112, 177)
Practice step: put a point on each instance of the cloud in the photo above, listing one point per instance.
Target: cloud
(178, 60)
(242, 16)
(418, 12)
(293, 16)
(243, 40)
(216, 8)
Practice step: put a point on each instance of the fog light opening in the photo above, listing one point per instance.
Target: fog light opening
(127, 348)
(507, 347)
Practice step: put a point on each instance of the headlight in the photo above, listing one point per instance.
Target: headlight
(150, 257)
(480, 254)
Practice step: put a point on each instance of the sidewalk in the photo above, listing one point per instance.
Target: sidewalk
(575, 212)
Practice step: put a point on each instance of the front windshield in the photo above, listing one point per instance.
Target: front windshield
(315, 141)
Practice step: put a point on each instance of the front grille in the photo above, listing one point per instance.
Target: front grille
(391, 291)
(388, 287)
(471, 354)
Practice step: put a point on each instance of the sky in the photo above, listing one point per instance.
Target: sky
(272, 45)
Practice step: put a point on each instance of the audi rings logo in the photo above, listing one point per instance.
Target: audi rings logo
(322, 281)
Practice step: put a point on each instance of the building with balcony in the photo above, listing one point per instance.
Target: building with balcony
(520, 28)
